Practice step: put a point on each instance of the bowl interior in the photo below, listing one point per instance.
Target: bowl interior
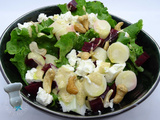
(147, 81)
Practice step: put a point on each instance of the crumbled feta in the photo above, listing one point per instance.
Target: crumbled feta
(81, 109)
(73, 106)
(70, 19)
(43, 97)
(67, 107)
(67, 17)
(25, 25)
(84, 67)
(92, 18)
(72, 57)
(102, 67)
(31, 76)
(113, 71)
(42, 17)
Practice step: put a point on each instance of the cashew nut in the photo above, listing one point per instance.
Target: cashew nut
(118, 26)
(106, 45)
(84, 21)
(37, 58)
(121, 92)
(48, 79)
(79, 28)
(84, 55)
(34, 48)
(71, 87)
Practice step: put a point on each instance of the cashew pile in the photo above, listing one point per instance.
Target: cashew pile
(84, 26)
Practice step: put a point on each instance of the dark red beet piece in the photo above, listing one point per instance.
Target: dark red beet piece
(98, 42)
(112, 36)
(72, 5)
(92, 45)
(87, 46)
(47, 66)
(32, 88)
(43, 57)
(96, 104)
(113, 87)
(141, 59)
(105, 92)
(54, 84)
(31, 63)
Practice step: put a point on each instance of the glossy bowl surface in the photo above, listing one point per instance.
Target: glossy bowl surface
(147, 81)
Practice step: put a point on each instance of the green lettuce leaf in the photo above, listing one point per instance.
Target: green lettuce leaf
(19, 40)
(85, 38)
(80, 8)
(71, 41)
(90, 7)
(18, 46)
(134, 29)
(18, 61)
(65, 44)
(98, 8)
(123, 39)
(63, 8)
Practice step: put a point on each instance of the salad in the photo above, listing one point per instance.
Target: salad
(80, 60)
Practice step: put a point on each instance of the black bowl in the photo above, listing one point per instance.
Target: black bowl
(147, 81)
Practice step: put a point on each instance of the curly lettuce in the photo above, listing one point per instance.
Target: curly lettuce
(18, 46)
(90, 7)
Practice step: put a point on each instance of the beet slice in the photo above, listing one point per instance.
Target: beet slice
(142, 58)
(32, 88)
(72, 5)
(112, 36)
(31, 63)
(54, 84)
(105, 92)
(113, 87)
(93, 44)
(96, 104)
(47, 66)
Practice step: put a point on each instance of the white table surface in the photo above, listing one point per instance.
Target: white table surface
(148, 10)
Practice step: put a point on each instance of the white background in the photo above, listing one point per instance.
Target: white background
(148, 10)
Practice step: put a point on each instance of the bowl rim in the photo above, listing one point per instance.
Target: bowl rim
(62, 114)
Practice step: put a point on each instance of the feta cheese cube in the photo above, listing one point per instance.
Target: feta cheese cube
(84, 67)
(92, 18)
(24, 25)
(43, 97)
(102, 67)
(42, 17)
(113, 71)
(72, 57)
(31, 76)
